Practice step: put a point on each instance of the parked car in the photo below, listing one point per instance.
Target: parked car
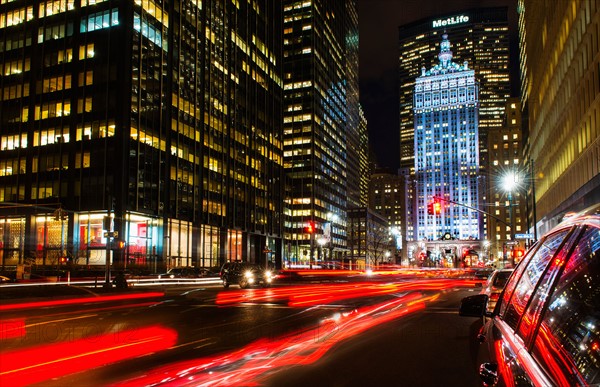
(494, 286)
(545, 330)
(245, 274)
(187, 272)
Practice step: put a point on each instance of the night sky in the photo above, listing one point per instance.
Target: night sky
(378, 64)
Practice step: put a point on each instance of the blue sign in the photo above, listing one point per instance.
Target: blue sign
(524, 236)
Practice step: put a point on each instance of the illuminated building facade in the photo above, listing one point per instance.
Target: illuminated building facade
(480, 37)
(163, 117)
(446, 143)
(386, 197)
(321, 125)
(509, 208)
(560, 65)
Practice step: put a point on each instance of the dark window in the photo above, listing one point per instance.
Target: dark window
(501, 278)
(568, 339)
(531, 275)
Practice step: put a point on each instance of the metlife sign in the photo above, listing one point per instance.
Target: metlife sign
(450, 21)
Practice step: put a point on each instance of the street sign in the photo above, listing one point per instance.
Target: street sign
(524, 236)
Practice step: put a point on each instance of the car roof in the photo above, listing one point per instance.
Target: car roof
(590, 216)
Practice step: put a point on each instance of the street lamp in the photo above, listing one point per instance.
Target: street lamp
(331, 217)
(510, 183)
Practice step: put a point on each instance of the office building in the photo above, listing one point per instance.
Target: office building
(386, 196)
(560, 65)
(321, 124)
(369, 242)
(149, 129)
(508, 199)
(479, 37)
(446, 143)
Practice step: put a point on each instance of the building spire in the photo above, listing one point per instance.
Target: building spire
(445, 65)
(445, 55)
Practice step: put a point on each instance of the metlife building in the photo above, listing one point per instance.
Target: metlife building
(478, 36)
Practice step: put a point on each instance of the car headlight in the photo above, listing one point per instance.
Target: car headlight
(268, 274)
(248, 274)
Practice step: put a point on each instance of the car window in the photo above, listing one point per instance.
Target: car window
(538, 299)
(510, 287)
(532, 272)
(568, 339)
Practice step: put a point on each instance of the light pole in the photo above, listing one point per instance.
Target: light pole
(332, 218)
(510, 182)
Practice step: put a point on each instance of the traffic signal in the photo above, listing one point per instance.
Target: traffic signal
(518, 253)
(63, 259)
(310, 228)
(430, 208)
(119, 243)
(437, 207)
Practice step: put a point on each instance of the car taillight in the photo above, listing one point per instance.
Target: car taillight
(494, 296)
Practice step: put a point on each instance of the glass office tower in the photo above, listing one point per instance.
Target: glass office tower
(149, 128)
(321, 122)
(446, 114)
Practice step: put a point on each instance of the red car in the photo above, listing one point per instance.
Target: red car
(545, 330)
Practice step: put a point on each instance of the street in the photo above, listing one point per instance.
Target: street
(384, 331)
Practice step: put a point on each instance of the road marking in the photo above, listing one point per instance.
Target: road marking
(61, 320)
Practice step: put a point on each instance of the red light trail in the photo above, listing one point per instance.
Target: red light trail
(40, 363)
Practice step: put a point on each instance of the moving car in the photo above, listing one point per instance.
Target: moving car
(545, 330)
(186, 272)
(494, 286)
(245, 274)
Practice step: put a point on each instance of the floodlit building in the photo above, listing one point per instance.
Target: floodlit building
(446, 143)
(480, 37)
(153, 129)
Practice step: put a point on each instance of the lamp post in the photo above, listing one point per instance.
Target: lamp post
(510, 182)
(332, 217)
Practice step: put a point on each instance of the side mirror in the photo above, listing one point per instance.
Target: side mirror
(473, 306)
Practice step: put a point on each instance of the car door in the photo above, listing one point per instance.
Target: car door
(567, 341)
(514, 363)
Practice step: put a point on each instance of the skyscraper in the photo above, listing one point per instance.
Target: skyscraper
(446, 113)
(480, 37)
(321, 124)
(157, 122)
(560, 66)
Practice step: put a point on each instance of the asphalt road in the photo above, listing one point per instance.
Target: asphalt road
(432, 347)
(335, 334)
